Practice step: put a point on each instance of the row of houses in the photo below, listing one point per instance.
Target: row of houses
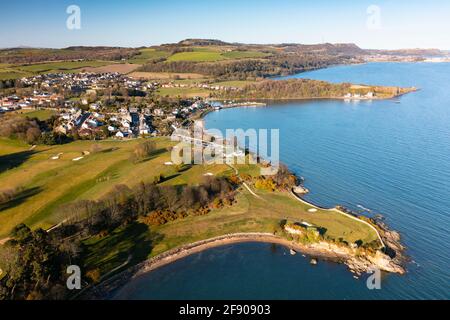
(83, 82)
(369, 95)
(37, 99)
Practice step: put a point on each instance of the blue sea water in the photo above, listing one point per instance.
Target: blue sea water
(390, 156)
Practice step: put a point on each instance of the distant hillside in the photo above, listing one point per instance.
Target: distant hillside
(410, 52)
(202, 42)
(327, 48)
(34, 55)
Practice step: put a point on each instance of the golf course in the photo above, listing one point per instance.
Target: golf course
(50, 176)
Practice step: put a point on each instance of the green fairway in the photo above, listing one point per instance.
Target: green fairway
(48, 183)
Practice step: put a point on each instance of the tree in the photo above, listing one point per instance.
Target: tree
(143, 150)
(33, 264)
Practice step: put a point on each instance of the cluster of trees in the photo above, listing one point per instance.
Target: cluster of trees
(123, 205)
(25, 129)
(143, 150)
(288, 89)
(7, 195)
(6, 84)
(31, 130)
(282, 180)
(34, 263)
(175, 203)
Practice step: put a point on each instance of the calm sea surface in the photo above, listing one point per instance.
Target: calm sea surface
(392, 157)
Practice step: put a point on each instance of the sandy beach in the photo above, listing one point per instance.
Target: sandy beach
(121, 279)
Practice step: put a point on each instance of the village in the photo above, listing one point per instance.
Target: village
(107, 105)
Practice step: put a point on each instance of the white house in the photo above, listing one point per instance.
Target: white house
(122, 134)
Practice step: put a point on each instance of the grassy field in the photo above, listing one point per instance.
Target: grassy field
(244, 54)
(197, 56)
(215, 54)
(40, 114)
(9, 72)
(122, 68)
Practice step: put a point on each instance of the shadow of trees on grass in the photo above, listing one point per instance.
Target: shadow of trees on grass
(13, 160)
(20, 198)
(132, 244)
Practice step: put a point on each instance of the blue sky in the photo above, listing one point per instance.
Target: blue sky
(403, 23)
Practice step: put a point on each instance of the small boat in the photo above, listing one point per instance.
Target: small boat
(293, 252)
(314, 262)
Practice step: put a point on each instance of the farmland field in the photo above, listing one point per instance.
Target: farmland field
(12, 75)
(197, 56)
(244, 54)
(7, 72)
(61, 66)
(122, 68)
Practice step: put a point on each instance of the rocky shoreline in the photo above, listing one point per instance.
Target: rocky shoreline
(356, 263)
